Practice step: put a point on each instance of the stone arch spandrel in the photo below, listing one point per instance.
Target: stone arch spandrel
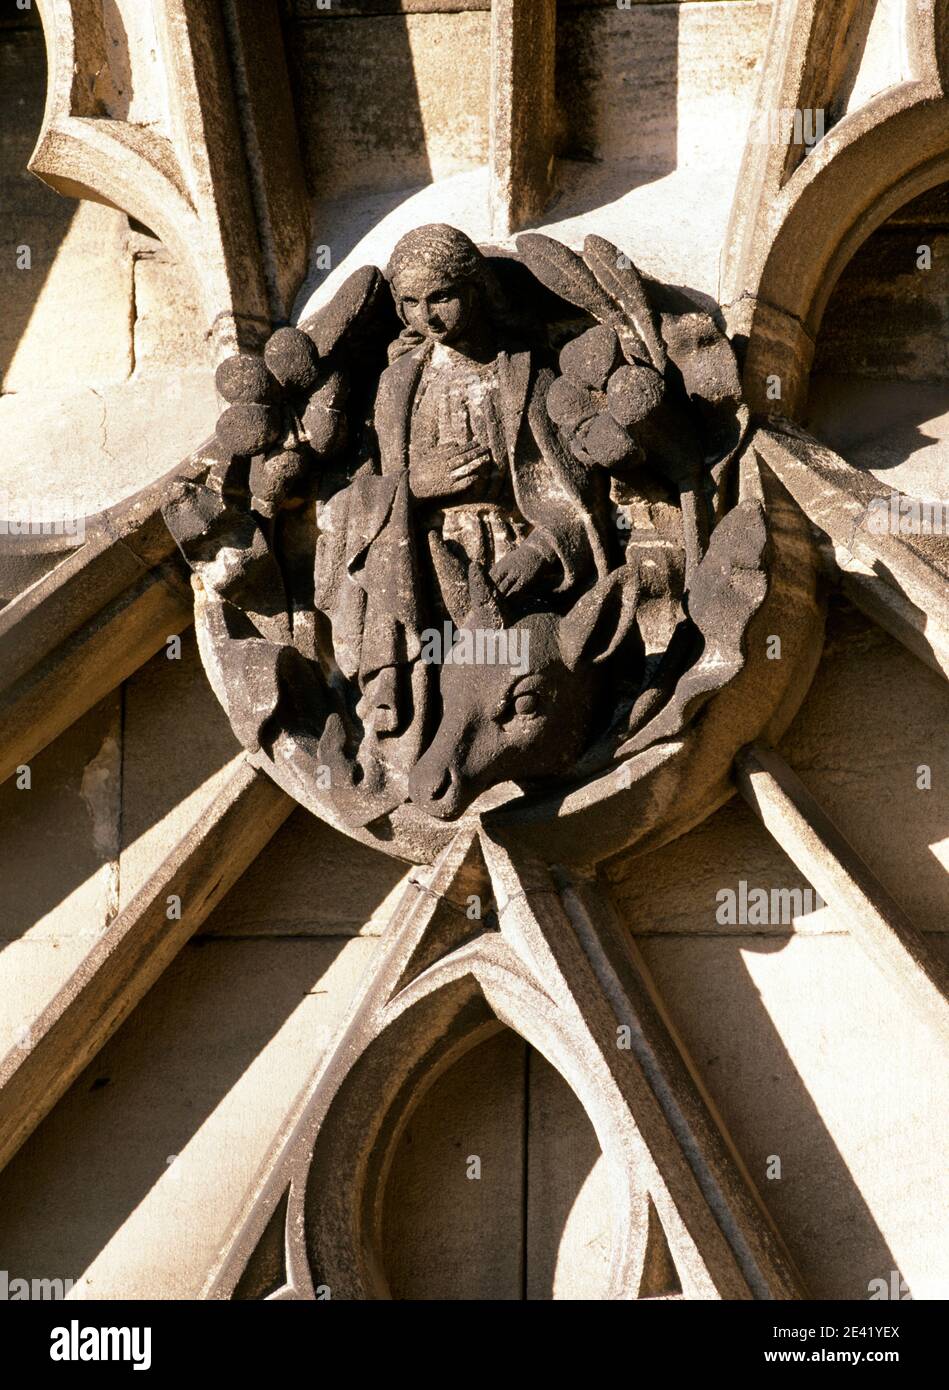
(791, 234)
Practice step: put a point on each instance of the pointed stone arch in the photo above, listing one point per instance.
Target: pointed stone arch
(798, 218)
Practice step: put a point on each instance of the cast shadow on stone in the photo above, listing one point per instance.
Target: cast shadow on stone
(894, 432)
(596, 124)
(388, 151)
(515, 1251)
(34, 216)
(822, 1196)
(342, 226)
(132, 1113)
(113, 803)
(137, 1106)
(600, 125)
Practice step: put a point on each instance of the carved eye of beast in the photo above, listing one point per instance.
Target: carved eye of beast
(522, 700)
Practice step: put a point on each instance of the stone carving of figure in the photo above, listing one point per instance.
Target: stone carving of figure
(465, 488)
(469, 471)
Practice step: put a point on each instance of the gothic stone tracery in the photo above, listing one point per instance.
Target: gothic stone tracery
(485, 560)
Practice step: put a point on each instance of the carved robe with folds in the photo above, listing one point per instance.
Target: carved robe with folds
(375, 577)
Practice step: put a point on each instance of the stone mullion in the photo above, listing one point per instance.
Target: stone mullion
(810, 839)
(135, 949)
(86, 626)
(523, 54)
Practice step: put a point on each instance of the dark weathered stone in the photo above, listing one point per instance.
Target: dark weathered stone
(248, 428)
(323, 427)
(355, 300)
(292, 357)
(281, 480)
(243, 380)
(404, 613)
(331, 392)
(590, 358)
(570, 405)
(633, 394)
(604, 442)
(546, 702)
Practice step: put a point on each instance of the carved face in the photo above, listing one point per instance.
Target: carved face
(527, 718)
(501, 721)
(434, 305)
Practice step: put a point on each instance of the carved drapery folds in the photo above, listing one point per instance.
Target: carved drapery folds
(487, 541)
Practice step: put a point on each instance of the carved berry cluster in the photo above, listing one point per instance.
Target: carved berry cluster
(285, 412)
(603, 403)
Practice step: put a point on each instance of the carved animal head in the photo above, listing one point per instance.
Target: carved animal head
(517, 702)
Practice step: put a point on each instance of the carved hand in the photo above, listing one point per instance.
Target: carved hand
(518, 568)
(443, 472)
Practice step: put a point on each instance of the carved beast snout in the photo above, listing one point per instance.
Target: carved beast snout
(529, 720)
(435, 787)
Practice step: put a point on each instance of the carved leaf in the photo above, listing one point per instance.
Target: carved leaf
(355, 295)
(620, 279)
(563, 271)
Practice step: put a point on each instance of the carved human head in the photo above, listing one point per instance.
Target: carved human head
(436, 273)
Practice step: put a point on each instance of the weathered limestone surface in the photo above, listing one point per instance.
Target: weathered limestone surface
(858, 755)
(59, 845)
(845, 1100)
(568, 1205)
(898, 430)
(92, 331)
(451, 1236)
(234, 1025)
(101, 424)
(642, 84)
(888, 317)
(448, 1234)
(846, 1116)
(846, 1093)
(109, 307)
(800, 219)
(133, 1181)
(352, 73)
(664, 91)
(878, 392)
(358, 888)
(163, 795)
(168, 334)
(154, 327)
(523, 121)
(67, 244)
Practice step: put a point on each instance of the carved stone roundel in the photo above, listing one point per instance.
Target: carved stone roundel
(489, 536)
